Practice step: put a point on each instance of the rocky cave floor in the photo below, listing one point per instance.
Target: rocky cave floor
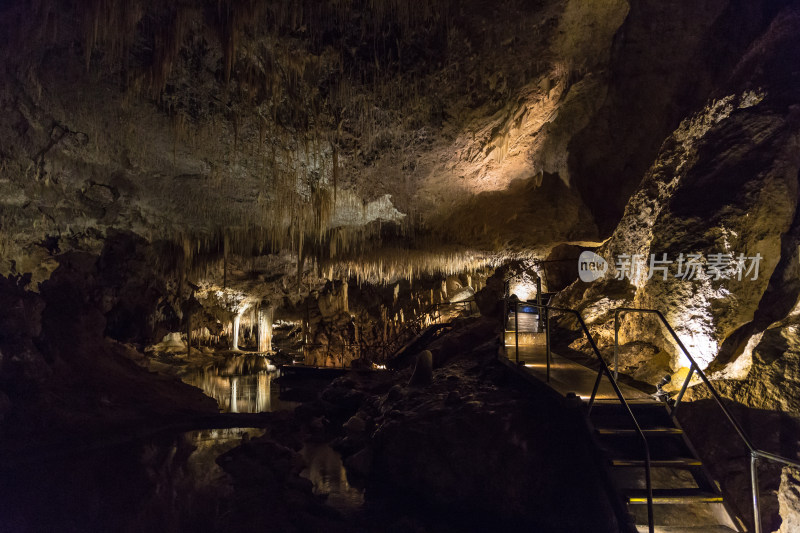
(469, 451)
(473, 450)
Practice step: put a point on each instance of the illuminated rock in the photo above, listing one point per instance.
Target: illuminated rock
(724, 182)
(789, 501)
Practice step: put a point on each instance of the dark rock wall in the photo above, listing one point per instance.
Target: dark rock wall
(64, 358)
(667, 60)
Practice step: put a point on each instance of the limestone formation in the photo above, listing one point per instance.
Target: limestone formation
(789, 500)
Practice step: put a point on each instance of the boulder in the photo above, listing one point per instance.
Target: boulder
(423, 371)
(355, 425)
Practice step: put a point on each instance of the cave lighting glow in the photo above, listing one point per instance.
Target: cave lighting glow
(701, 346)
(523, 289)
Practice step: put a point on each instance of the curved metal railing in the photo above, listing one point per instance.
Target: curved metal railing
(755, 453)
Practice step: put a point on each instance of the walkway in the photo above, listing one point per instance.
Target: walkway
(566, 375)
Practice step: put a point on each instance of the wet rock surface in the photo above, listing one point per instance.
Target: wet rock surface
(471, 450)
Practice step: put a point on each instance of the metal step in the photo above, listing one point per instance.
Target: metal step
(652, 432)
(682, 529)
(630, 401)
(649, 415)
(678, 462)
(672, 496)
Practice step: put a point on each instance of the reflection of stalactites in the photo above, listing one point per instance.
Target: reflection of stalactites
(234, 393)
(263, 403)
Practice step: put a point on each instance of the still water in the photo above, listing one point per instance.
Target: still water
(240, 384)
(170, 482)
(325, 470)
(165, 483)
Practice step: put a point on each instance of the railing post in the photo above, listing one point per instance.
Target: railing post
(516, 330)
(547, 338)
(504, 323)
(616, 344)
(649, 485)
(754, 481)
(539, 300)
(683, 390)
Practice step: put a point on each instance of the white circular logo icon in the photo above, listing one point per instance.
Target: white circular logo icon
(591, 266)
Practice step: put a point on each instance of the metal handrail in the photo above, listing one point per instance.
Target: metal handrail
(413, 325)
(603, 370)
(755, 453)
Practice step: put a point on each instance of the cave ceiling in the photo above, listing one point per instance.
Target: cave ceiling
(439, 132)
(271, 126)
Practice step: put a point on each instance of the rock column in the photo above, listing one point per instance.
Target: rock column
(235, 334)
(265, 328)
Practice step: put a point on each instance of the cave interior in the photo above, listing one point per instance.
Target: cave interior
(400, 265)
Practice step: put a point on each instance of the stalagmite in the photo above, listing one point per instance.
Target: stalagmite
(423, 370)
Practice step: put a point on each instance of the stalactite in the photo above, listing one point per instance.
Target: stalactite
(265, 318)
(235, 332)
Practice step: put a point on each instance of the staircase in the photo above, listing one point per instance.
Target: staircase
(528, 321)
(656, 481)
(685, 497)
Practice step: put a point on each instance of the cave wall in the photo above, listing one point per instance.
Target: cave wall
(70, 353)
(725, 181)
(667, 60)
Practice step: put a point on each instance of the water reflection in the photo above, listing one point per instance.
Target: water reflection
(240, 384)
(325, 470)
(168, 483)
(210, 444)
